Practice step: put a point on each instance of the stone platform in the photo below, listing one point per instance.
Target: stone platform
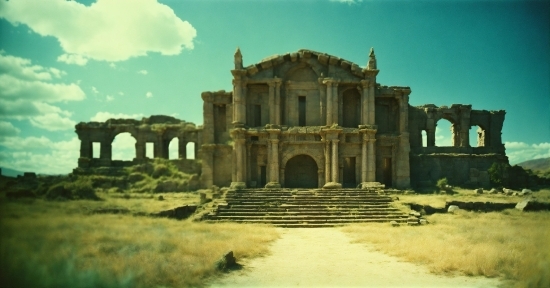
(305, 208)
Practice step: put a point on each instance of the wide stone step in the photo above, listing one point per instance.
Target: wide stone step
(307, 210)
(309, 197)
(317, 206)
(309, 217)
(281, 213)
(314, 222)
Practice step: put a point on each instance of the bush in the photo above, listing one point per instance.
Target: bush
(442, 183)
(161, 170)
(79, 189)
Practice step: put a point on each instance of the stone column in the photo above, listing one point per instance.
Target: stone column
(105, 151)
(430, 137)
(327, 161)
(207, 172)
(371, 161)
(334, 163)
(208, 118)
(271, 102)
(364, 159)
(402, 169)
(330, 104)
(140, 149)
(365, 102)
(273, 164)
(86, 149)
(248, 165)
(240, 159)
(239, 98)
(404, 113)
(335, 103)
(371, 102)
(277, 101)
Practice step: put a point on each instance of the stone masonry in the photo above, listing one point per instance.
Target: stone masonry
(310, 120)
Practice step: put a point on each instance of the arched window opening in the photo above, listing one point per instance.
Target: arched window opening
(190, 150)
(150, 150)
(123, 147)
(424, 138)
(96, 147)
(173, 148)
(477, 137)
(443, 133)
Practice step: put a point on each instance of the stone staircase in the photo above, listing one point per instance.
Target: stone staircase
(305, 208)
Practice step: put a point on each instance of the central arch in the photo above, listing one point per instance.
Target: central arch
(301, 172)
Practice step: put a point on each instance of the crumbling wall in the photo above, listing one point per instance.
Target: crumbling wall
(157, 129)
(459, 169)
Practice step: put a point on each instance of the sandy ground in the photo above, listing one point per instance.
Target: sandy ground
(325, 257)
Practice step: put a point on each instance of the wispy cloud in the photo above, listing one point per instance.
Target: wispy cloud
(518, 152)
(39, 154)
(121, 29)
(142, 72)
(349, 2)
(27, 93)
(148, 94)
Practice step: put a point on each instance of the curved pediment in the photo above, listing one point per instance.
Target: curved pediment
(305, 66)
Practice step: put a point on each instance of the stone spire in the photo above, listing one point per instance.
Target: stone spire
(238, 59)
(372, 60)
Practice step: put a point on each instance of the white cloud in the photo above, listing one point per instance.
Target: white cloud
(7, 129)
(39, 154)
(106, 30)
(104, 116)
(109, 98)
(148, 94)
(518, 152)
(112, 65)
(26, 94)
(23, 69)
(142, 72)
(121, 93)
(73, 59)
(349, 2)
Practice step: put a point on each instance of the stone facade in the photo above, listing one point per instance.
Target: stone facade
(159, 130)
(309, 119)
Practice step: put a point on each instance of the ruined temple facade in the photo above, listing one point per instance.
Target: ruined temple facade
(311, 120)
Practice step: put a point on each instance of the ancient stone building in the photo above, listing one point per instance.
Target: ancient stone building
(158, 130)
(309, 119)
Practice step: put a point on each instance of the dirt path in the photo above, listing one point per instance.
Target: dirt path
(326, 258)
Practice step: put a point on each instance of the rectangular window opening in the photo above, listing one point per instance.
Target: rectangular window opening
(301, 111)
(257, 115)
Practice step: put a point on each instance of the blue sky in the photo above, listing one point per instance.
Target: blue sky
(63, 62)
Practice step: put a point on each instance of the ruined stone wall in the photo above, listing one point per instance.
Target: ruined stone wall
(461, 163)
(157, 129)
(459, 169)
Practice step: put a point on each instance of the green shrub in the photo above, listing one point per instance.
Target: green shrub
(161, 170)
(442, 183)
(81, 188)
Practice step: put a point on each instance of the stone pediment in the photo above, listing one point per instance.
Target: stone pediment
(323, 64)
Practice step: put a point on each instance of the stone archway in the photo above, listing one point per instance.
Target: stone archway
(301, 172)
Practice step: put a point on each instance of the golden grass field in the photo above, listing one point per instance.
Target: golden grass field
(57, 244)
(61, 244)
(511, 244)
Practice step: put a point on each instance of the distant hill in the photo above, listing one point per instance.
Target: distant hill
(541, 164)
(10, 172)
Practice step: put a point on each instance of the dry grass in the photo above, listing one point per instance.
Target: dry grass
(54, 244)
(468, 195)
(510, 244)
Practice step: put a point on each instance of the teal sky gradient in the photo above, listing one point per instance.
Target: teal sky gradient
(491, 54)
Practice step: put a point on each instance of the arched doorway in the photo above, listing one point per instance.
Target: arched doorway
(301, 172)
